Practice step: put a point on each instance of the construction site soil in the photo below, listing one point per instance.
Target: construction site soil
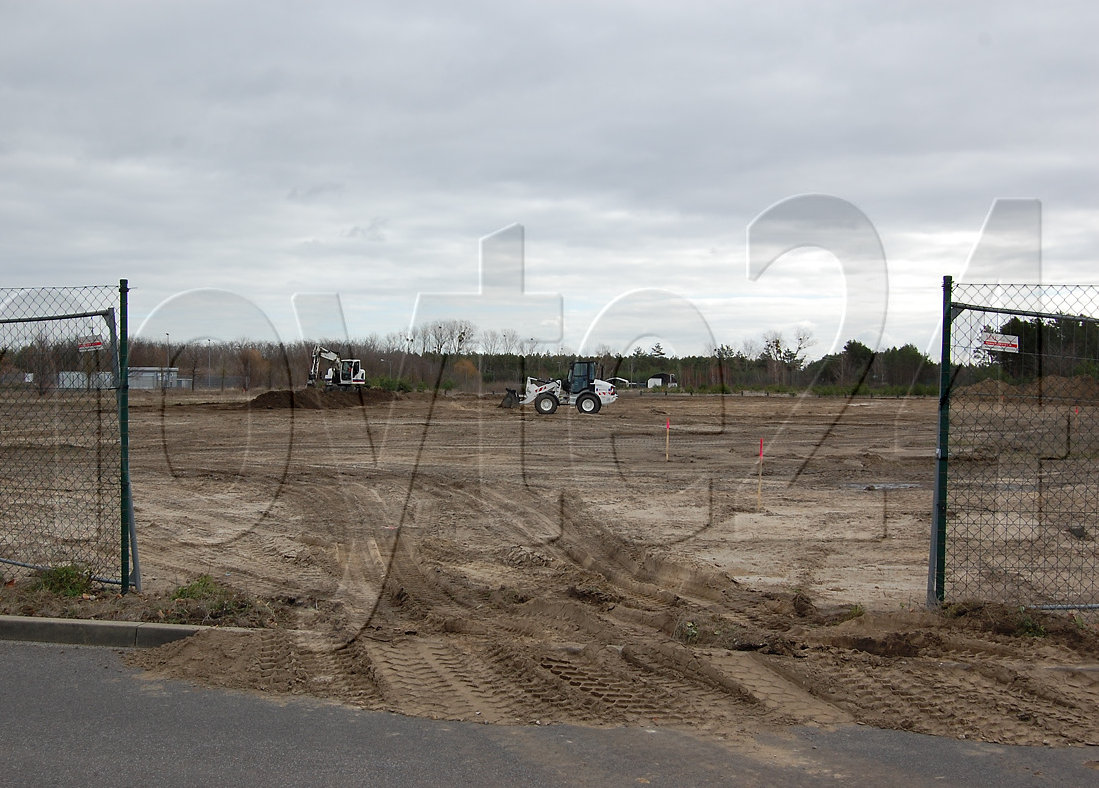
(447, 558)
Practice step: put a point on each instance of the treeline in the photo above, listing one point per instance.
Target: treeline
(1062, 346)
(455, 355)
(488, 361)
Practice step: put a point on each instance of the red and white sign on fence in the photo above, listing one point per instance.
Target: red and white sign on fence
(88, 344)
(1005, 343)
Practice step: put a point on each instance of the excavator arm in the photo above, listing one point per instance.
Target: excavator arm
(315, 368)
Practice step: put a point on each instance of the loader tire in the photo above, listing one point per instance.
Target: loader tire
(545, 404)
(588, 403)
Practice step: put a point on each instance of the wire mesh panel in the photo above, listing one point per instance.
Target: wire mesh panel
(1021, 448)
(59, 431)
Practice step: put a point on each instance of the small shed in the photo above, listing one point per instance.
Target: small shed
(663, 380)
(154, 378)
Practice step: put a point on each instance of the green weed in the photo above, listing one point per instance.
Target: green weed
(205, 599)
(69, 580)
(1028, 625)
(687, 632)
(855, 611)
(203, 587)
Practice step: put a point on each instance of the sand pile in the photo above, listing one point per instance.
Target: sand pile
(987, 388)
(1078, 388)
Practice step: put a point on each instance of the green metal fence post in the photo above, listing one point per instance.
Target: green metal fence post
(124, 427)
(936, 568)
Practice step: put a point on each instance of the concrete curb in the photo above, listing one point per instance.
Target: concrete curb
(84, 632)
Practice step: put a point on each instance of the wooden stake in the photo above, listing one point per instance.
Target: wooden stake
(667, 438)
(759, 486)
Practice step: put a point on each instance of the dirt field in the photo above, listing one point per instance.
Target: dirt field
(448, 558)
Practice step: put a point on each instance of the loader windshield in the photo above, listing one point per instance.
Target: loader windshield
(581, 376)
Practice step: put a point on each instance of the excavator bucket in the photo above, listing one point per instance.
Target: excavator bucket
(510, 400)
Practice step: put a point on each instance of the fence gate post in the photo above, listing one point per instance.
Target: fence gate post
(936, 565)
(124, 428)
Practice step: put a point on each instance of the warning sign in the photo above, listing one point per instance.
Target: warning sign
(88, 344)
(1005, 343)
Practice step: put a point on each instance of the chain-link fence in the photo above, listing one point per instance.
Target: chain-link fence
(63, 484)
(1017, 494)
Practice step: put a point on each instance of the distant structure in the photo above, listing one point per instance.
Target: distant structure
(83, 381)
(155, 378)
(663, 380)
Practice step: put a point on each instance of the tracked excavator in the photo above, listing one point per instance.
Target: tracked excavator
(342, 373)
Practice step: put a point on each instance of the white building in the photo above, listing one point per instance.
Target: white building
(663, 379)
(82, 380)
(154, 378)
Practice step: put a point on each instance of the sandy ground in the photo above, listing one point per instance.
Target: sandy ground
(448, 558)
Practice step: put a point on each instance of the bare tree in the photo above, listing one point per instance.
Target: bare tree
(784, 361)
(43, 364)
(251, 365)
(418, 340)
(490, 342)
(509, 341)
(803, 337)
(372, 345)
(188, 354)
(451, 336)
(394, 342)
(528, 347)
(467, 336)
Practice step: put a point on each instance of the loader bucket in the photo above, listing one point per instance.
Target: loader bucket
(510, 400)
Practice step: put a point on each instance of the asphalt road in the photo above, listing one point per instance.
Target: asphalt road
(76, 715)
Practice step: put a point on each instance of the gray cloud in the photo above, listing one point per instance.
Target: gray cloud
(254, 147)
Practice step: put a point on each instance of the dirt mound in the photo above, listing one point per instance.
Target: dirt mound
(1078, 388)
(316, 399)
(987, 388)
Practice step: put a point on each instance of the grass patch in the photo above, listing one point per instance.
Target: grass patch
(709, 631)
(853, 612)
(206, 601)
(1029, 626)
(686, 632)
(69, 580)
(202, 587)
(1020, 621)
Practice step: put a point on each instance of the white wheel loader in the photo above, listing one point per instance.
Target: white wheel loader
(580, 387)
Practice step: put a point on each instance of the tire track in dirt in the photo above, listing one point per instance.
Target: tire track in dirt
(981, 708)
(437, 676)
(772, 687)
(446, 678)
(626, 688)
(503, 597)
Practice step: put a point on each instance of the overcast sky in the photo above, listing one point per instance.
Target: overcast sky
(275, 150)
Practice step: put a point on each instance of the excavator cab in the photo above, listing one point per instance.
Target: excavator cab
(349, 371)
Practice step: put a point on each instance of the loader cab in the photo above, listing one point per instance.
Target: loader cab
(581, 377)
